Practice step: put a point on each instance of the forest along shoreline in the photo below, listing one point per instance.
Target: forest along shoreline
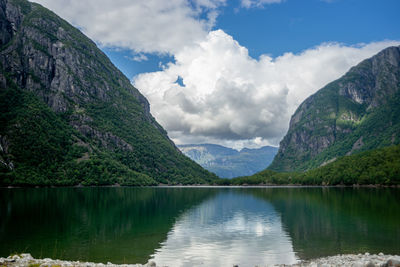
(359, 260)
(213, 186)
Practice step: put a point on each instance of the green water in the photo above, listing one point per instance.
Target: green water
(198, 226)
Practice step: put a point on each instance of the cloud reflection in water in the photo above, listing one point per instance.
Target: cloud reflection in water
(232, 228)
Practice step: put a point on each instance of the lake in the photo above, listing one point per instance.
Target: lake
(204, 226)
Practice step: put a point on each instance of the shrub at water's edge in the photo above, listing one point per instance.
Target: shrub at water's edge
(378, 167)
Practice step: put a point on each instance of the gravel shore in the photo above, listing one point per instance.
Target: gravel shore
(351, 260)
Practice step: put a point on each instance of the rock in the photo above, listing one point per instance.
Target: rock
(63, 69)
(339, 260)
(380, 254)
(358, 264)
(393, 262)
(313, 128)
(27, 256)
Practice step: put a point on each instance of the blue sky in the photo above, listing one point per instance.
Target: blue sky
(242, 66)
(290, 26)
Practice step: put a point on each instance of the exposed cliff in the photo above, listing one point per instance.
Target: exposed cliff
(359, 111)
(68, 115)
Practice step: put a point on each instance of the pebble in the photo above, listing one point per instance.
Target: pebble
(358, 264)
(359, 260)
(394, 261)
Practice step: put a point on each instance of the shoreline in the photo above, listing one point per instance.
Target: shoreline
(209, 186)
(355, 260)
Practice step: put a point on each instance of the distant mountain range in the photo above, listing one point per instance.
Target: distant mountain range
(227, 162)
(358, 112)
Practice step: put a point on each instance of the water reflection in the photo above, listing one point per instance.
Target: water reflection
(331, 221)
(198, 226)
(121, 225)
(232, 228)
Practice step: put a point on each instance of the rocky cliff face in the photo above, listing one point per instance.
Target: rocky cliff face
(51, 58)
(46, 60)
(357, 112)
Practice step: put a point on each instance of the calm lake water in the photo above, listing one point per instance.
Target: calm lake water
(198, 226)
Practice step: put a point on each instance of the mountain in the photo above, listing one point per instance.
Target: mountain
(358, 112)
(69, 116)
(379, 166)
(228, 162)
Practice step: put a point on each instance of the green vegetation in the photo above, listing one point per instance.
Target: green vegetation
(45, 150)
(355, 113)
(93, 129)
(80, 121)
(379, 166)
(379, 128)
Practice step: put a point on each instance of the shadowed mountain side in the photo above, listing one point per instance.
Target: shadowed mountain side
(69, 116)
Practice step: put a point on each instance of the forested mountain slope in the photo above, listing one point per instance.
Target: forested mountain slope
(69, 116)
(358, 112)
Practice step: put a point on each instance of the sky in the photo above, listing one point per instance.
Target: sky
(232, 72)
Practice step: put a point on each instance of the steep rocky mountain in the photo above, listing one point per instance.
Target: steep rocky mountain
(69, 116)
(358, 112)
(227, 162)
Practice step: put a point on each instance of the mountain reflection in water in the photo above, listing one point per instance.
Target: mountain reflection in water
(198, 225)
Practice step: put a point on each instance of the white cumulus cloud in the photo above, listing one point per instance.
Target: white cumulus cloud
(216, 91)
(152, 26)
